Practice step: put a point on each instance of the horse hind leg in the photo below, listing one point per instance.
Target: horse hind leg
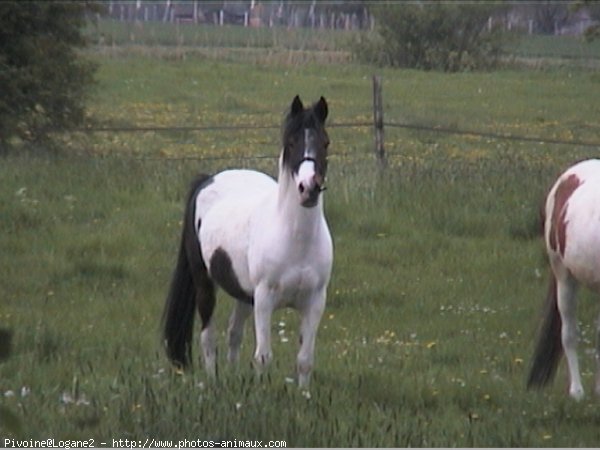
(567, 306)
(190, 284)
(206, 303)
(548, 349)
(241, 312)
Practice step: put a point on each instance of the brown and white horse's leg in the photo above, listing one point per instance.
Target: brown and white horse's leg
(567, 306)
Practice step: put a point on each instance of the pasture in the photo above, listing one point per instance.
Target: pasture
(438, 276)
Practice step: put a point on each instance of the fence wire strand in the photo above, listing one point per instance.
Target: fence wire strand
(393, 125)
(416, 127)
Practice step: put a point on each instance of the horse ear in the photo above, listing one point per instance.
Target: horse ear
(321, 109)
(297, 106)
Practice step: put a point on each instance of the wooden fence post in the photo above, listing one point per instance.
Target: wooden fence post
(378, 121)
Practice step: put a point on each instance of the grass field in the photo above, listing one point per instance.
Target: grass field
(438, 274)
(567, 47)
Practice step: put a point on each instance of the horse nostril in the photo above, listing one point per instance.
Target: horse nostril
(301, 188)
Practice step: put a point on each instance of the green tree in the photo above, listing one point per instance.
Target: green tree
(43, 76)
(593, 7)
(432, 36)
(550, 15)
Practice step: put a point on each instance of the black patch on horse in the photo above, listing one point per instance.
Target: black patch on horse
(221, 270)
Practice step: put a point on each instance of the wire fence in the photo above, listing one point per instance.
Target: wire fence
(425, 128)
(378, 125)
(133, 129)
(492, 135)
(214, 129)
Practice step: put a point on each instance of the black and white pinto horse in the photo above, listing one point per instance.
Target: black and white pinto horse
(266, 243)
(572, 237)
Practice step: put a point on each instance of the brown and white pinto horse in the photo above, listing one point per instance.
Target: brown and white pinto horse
(572, 237)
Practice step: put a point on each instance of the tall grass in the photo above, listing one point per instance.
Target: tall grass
(425, 340)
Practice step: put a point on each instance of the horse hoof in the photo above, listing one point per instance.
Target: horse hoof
(576, 394)
(262, 360)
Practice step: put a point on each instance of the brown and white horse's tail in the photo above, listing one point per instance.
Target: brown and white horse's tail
(190, 287)
(549, 348)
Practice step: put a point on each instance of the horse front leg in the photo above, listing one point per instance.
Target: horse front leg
(311, 317)
(208, 343)
(264, 304)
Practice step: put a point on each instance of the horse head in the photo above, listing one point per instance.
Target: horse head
(305, 143)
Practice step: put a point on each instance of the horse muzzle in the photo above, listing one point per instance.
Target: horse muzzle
(309, 195)
(310, 183)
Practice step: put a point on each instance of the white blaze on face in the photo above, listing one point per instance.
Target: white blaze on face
(309, 144)
(305, 178)
(306, 173)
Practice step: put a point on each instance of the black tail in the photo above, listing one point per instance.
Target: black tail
(190, 285)
(549, 349)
